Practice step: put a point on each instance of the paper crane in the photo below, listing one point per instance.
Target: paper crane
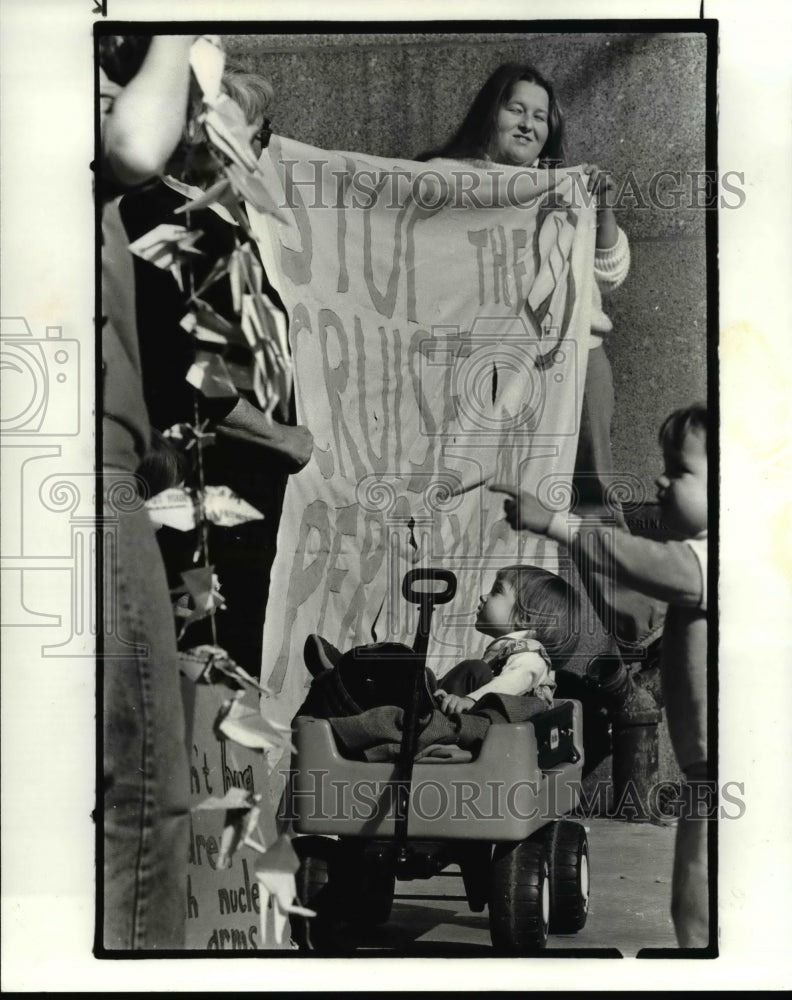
(244, 724)
(275, 875)
(166, 246)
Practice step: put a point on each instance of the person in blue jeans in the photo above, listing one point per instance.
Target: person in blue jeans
(145, 786)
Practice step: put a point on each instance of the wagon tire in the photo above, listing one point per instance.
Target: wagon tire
(569, 877)
(519, 905)
(318, 890)
(369, 878)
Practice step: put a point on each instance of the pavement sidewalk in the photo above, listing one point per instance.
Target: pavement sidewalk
(630, 902)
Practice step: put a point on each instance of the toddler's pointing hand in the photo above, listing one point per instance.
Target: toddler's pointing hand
(523, 510)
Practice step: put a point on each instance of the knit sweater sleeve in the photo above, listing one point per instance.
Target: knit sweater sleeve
(612, 265)
(672, 571)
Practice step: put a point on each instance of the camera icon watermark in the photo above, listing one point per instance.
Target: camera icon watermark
(502, 378)
(40, 381)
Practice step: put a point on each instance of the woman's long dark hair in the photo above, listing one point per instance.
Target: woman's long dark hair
(473, 138)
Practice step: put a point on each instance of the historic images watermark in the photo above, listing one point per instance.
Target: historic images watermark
(481, 365)
(466, 188)
(52, 521)
(318, 796)
(41, 381)
(497, 380)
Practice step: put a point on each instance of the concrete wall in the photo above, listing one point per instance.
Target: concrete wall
(633, 102)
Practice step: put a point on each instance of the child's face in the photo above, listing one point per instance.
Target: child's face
(682, 488)
(495, 615)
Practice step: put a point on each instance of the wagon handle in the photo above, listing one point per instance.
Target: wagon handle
(434, 596)
(426, 600)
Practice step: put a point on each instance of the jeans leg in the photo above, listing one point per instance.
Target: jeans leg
(689, 884)
(146, 778)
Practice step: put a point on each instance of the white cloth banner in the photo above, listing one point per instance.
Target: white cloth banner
(439, 321)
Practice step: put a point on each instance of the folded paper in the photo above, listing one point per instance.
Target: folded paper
(253, 190)
(234, 798)
(214, 198)
(207, 60)
(203, 590)
(228, 130)
(210, 376)
(166, 246)
(275, 875)
(201, 663)
(205, 323)
(245, 725)
(186, 436)
(173, 508)
(196, 663)
(227, 510)
(176, 508)
(239, 831)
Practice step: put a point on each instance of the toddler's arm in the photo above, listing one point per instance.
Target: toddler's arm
(521, 673)
(669, 571)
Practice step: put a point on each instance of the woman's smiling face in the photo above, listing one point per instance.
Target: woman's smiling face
(522, 126)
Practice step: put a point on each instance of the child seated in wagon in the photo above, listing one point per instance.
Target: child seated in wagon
(527, 614)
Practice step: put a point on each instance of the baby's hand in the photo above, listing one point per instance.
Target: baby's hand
(452, 704)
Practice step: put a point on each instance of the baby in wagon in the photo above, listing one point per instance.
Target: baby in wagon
(529, 614)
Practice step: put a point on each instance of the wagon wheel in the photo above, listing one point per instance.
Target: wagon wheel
(520, 897)
(369, 880)
(474, 862)
(317, 889)
(569, 876)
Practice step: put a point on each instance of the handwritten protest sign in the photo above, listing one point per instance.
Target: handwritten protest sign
(227, 909)
(439, 318)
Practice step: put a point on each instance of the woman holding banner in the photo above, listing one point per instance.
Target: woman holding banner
(516, 120)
